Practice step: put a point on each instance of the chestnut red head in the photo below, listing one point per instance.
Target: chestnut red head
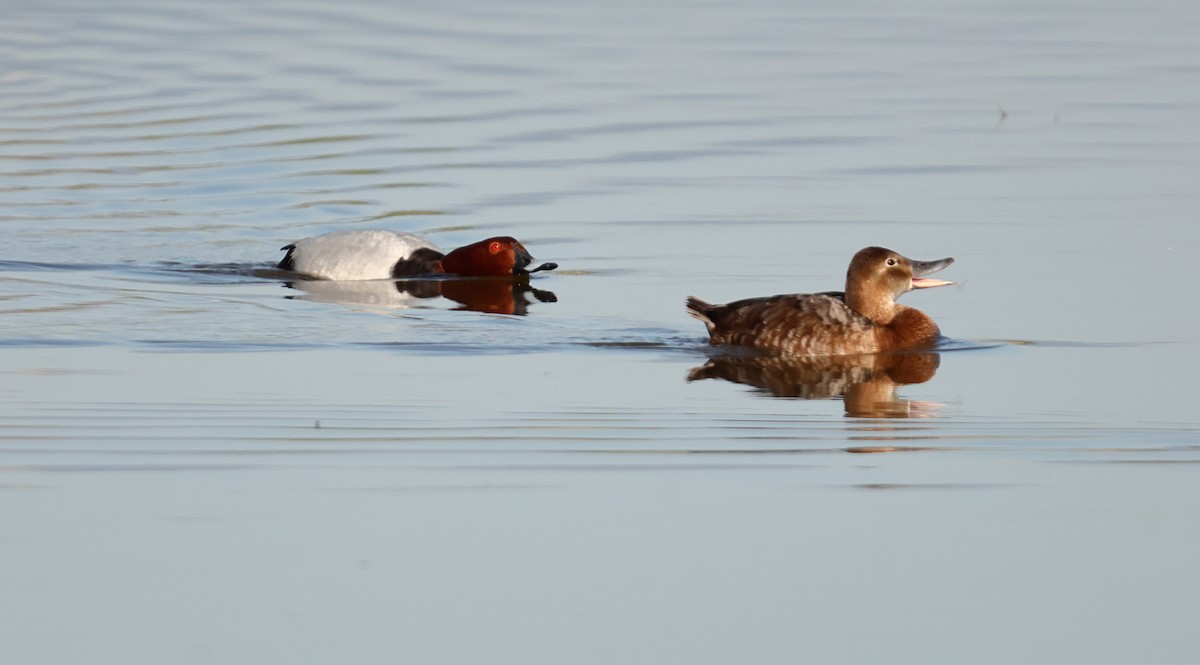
(497, 256)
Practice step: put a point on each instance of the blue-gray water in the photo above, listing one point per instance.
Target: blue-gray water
(203, 464)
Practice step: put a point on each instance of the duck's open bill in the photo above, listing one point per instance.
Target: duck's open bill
(922, 268)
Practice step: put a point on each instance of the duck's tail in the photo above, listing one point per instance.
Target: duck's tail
(699, 309)
(288, 263)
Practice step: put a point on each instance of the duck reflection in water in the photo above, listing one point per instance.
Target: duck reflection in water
(866, 383)
(492, 295)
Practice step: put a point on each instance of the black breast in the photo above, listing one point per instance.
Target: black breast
(424, 261)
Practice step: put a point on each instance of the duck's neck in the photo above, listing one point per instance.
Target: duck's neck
(880, 308)
(455, 262)
(472, 261)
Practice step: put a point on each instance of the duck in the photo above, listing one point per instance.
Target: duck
(382, 254)
(864, 318)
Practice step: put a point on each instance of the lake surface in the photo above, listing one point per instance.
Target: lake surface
(203, 462)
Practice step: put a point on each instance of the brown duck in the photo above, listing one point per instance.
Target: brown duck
(863, 319)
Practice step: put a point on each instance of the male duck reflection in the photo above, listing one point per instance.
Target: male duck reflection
(379, 254)
(494, 296)
(863, 319)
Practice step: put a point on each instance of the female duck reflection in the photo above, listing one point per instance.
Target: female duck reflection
(866, 383)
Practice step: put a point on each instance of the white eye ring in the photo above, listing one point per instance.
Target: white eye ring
(891, 262)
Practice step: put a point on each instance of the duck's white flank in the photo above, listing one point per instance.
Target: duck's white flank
(354, 255)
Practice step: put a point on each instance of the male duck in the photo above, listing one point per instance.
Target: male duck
(377, 254)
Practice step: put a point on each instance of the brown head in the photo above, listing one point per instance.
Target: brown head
(878, 276)
(487, 258)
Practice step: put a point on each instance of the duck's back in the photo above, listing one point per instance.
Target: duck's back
(353, 255)
(807, 324)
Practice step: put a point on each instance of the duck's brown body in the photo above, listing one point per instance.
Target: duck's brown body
(863, 319)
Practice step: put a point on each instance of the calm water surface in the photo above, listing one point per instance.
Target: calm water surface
(203, 462)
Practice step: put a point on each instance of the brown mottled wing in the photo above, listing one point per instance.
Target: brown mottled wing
(800, 324)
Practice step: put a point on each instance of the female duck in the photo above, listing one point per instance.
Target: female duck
(863, 319)
(356, 255)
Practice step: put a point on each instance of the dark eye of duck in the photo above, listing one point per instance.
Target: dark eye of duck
(891, 262)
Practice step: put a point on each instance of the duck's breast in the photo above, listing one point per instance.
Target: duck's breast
(911, 328)
(354, 255)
